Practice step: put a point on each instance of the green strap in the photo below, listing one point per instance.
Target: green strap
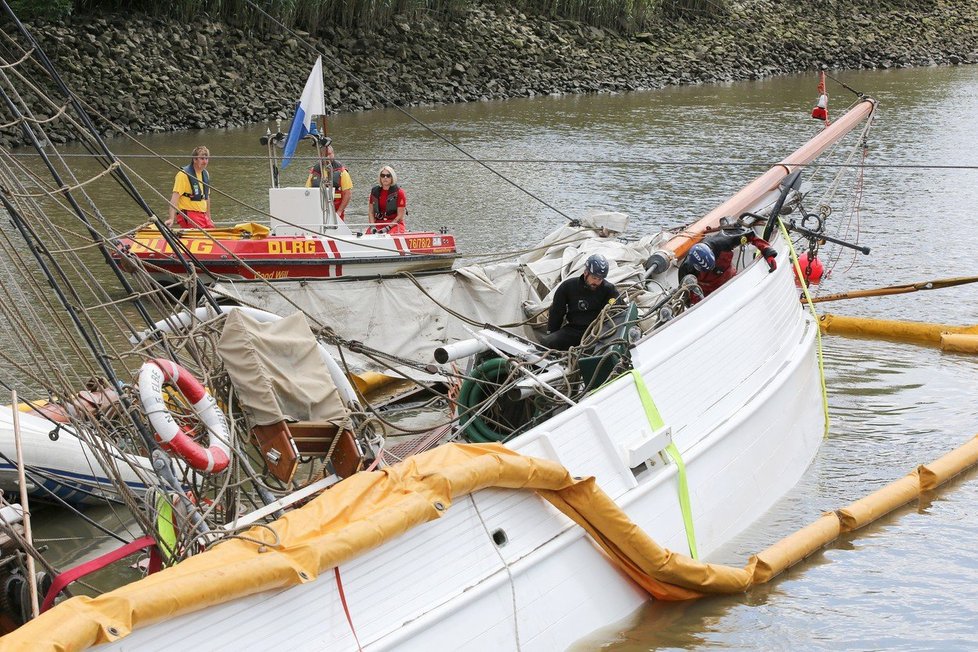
(167, 535)
(655, 420)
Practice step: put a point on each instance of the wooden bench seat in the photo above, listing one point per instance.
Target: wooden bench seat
(282, 443)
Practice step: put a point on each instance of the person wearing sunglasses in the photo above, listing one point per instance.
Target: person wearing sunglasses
(388, 204)
(190, 203)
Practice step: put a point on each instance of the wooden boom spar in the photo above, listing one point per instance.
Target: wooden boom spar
(756, 189)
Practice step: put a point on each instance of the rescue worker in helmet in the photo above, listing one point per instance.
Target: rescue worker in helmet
(711, 261)
(578, 300)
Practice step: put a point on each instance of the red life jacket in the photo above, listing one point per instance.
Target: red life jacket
(316, 172)
(722, 272)
(386, 213)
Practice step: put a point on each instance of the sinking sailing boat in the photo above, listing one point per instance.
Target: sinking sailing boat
(448, 545)
(305, 237)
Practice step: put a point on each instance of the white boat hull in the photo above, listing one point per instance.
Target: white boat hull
(737, 380)
(60, 465)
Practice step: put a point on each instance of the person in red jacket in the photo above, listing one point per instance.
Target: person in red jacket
(711, 260)
(388, 204)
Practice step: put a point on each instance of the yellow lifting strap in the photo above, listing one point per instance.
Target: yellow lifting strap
(655, 421)
(818, 330)
(166, 527)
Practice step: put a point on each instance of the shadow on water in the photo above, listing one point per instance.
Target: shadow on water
(71, 540)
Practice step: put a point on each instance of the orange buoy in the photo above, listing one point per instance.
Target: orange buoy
(812, 270)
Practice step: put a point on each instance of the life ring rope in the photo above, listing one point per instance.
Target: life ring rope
(152, 376)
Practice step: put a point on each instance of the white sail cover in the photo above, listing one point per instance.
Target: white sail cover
(412, 316)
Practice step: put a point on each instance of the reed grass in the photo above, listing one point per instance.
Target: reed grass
(50, 9)
(316, 15)
(624, 15)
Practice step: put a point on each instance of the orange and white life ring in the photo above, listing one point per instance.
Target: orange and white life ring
(152, 376)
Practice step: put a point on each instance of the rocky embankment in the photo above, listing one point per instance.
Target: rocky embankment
(147, 74)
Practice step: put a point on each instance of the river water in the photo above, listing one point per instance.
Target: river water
(666, 157)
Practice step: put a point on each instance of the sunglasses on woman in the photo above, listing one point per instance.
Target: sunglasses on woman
(384, 174)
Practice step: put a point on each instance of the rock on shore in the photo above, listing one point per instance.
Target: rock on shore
(147, 74)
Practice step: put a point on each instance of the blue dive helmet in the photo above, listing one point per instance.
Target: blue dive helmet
(701, 257)
(596, 265)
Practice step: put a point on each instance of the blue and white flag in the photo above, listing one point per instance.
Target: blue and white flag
(310, 104)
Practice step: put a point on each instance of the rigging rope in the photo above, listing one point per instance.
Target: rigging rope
(605, 163)
(64, 189)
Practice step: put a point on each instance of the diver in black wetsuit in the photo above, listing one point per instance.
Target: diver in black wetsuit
(580, 300)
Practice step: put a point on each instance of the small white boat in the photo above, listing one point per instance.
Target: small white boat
(61, 466)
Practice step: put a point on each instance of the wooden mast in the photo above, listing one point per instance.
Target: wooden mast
(756, 189)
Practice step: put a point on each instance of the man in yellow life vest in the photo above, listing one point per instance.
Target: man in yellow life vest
(342, 183)
(190, 203)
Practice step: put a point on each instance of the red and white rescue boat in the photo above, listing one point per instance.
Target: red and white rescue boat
(305, 241)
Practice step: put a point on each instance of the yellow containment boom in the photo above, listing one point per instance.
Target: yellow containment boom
(959, 342)
(796, 547)
(966, 337)
(770, 180)
(367, 509)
